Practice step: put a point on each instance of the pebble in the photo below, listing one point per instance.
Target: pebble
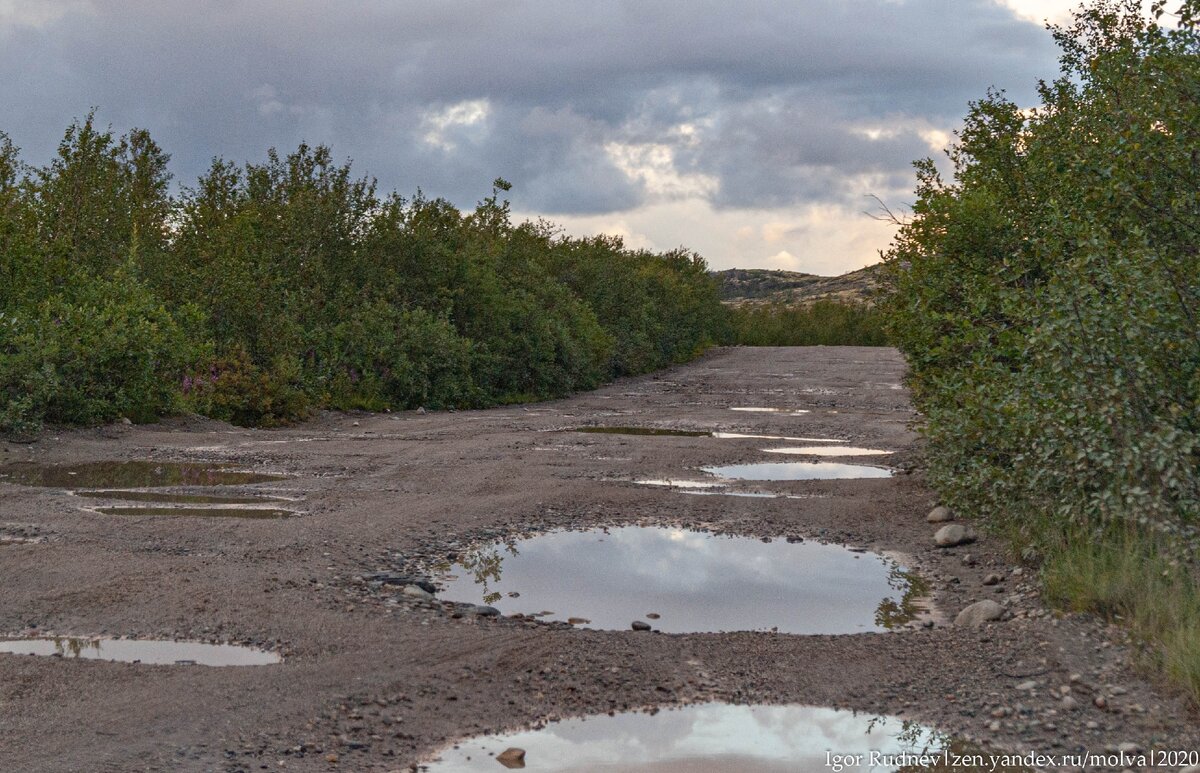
(640, 625)
(992, 579)
(512, 757)
(953, 534)
(1029, 685)
(484, 611)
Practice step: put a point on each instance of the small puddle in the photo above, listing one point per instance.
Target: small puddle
(198, 512)
(642, 431)
(135, 474)
(796, 471)
(719, 737)
(166, 497)
(828, 451)
(772, 437)
(142, 651)
(687, 581)
(679, 483)
(791, 411)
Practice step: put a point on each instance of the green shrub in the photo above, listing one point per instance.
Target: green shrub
(1047, 301)
(821, 323)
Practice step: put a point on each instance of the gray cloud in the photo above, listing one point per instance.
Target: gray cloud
(776, 93)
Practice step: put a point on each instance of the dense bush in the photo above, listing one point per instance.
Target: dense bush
(269, 290)
(823, 322)
(1047, 302)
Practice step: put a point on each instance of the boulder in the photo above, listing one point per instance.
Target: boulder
(953, 534)
(979, 613)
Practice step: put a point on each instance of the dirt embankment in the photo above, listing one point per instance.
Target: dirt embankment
(376, 679)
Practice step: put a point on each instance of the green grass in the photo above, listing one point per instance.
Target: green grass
(1124, 577)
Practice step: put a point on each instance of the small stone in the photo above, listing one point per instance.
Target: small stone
(953, 534)
(1101, 702)
(1025, 686)
(421, 409)
(484, 611)
(417, 593)
(979, 613)
(578, 620)
(124, 420)
(940, 514)
(1129, 747)
(992, 579)
(1068, 703)
(512, 757)
(640, 625)
(994, 726)
(331, 758)
(652, 615)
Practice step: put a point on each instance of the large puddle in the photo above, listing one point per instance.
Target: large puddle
(718, 738)
(681, 581)
(142, 651)
(796, 471)
(134, 474)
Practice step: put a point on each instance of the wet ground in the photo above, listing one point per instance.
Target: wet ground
(377, 676)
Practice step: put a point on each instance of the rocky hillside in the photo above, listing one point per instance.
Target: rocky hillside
(757, 285)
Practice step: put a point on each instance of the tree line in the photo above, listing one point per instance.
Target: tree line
(267, 290)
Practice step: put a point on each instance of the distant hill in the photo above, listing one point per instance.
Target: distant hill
(759, 285)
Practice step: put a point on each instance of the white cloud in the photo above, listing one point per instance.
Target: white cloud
(652, 164)
(38, 13)
(815, 239)
(443, 127)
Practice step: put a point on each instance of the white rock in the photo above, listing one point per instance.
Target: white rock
(415, 592)
(953, 534)
(940, 514)
(979, 613)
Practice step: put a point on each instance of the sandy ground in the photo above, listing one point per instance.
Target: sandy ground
(377, 680)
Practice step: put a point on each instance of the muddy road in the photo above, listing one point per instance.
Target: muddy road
(377, 678)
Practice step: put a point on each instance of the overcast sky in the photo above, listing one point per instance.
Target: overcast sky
(752, 132)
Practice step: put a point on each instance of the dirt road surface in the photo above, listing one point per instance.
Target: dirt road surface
(379, 680)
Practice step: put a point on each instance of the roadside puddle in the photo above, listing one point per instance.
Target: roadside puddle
(828, 451)
(796, 471)
(182, 653)
(198, 512)
(680, 483)
(682, 581)
(716, 736)
(655, 431)
(134, 474)
(145, 481)
(167, 497)
(755, 409)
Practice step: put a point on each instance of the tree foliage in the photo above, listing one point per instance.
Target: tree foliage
(270, 289)
(1047, 296)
